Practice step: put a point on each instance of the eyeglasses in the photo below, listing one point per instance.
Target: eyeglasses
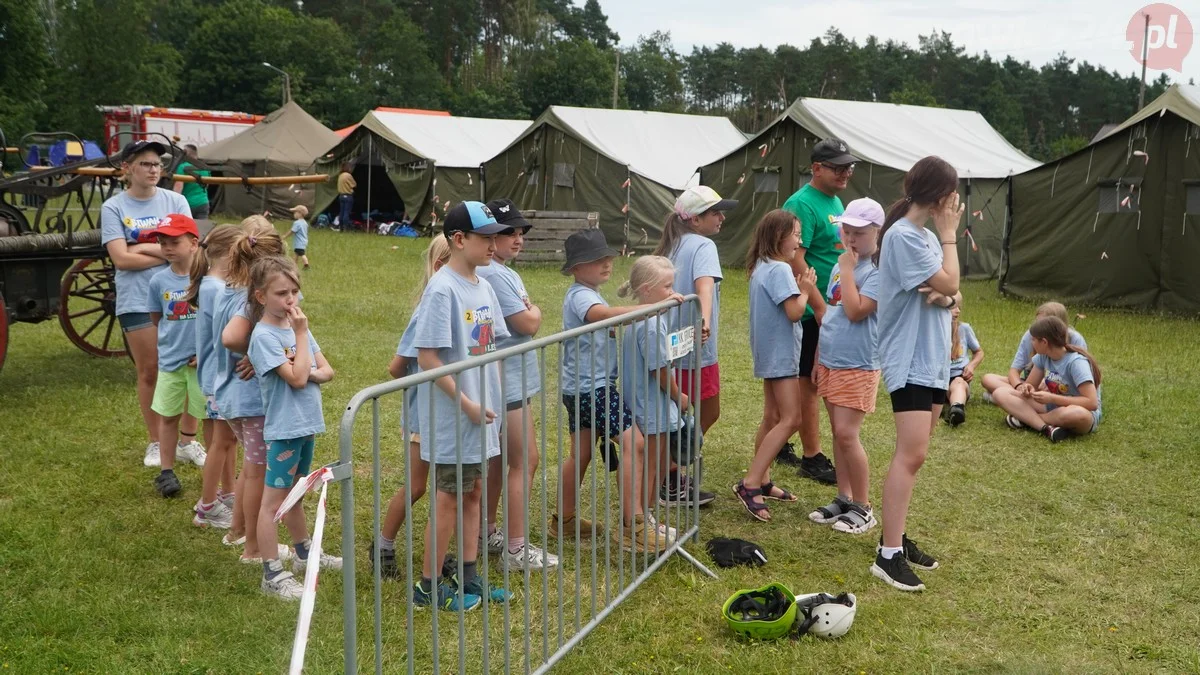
(839, 170)
(150, 166)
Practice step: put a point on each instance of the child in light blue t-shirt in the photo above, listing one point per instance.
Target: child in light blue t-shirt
(777, 303)
(290, 368)
(1069, 403)
(1023, 360)
(176, 389)
(962, 368)
(299, 234)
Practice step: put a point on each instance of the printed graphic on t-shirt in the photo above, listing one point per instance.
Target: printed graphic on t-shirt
(1056, 385)
(837, 234)
(178, 309)
(482, 333)
(835, 297)
(289, 353)
(141, 230)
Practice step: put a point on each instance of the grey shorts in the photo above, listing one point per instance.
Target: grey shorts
(447, 478)
(134, 321)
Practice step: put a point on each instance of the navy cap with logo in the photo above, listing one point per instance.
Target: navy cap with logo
(136, 147)
(833, 151)
(471, 217)
(506, 214)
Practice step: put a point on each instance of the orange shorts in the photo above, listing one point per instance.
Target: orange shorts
(850, 388)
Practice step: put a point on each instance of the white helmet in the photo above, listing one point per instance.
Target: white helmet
(824, 615)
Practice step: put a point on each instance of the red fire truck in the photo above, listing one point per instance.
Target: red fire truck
(124, 123)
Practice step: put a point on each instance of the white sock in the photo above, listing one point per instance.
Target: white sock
(888, 552)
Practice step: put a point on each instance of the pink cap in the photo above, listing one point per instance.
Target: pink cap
(862, 213)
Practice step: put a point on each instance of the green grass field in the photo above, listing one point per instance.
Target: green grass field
(1078, 557)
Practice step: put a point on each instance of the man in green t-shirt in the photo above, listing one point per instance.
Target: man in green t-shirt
(195, 193)
(816, 205)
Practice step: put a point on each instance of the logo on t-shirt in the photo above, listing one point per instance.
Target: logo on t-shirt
(141, 230)
(178, 309)
(1055, 385)
(482, 333)
(835, 296)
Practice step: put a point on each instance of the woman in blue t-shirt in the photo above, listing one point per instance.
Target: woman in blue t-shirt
(1069, 404)
(918, 284)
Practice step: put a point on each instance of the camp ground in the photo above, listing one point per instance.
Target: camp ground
(415, 161)
(1116, 222)
(626, 165)
(764, 171)
(286, 142)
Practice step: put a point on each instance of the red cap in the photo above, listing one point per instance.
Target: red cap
(177, 224)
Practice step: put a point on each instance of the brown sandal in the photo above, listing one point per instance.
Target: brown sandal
(746, 495)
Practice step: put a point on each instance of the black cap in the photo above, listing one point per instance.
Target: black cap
(833, 151)
(506, 213)
(136, 147)
(470, 217)
(586, 246)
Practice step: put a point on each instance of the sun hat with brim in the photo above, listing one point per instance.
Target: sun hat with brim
(864, 212)
(506, 213)
(696, 200)
(586, 246)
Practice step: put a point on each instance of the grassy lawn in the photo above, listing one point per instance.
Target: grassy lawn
(1078, 557)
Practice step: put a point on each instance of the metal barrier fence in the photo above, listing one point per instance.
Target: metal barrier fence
(546, 617)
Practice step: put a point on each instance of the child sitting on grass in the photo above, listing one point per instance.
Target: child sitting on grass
(962, 371)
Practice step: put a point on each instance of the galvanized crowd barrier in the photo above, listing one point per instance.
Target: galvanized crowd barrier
(547, 616)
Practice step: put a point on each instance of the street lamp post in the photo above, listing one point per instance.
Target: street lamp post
(287, 82)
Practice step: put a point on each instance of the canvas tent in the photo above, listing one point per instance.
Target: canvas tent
(626, 165)
(285, 143)
(1118, 222)
(888, 138)
(410, 157)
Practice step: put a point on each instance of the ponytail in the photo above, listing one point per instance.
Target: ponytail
(435, 255)
(1054, 330)
(1091, 362)
(216, 246)
(927, 183)
(258, 240)
(895, 212)
(674, 229)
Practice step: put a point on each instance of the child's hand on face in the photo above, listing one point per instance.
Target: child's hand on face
(848, 260)
(298, 319)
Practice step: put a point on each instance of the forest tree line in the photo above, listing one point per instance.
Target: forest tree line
(500, 58)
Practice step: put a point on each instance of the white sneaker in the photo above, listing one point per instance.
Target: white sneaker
(153, 455)
(987, 397)
(283, 586)
(192, 452)
(226, 498)
(665, 532)
(328, 562)
(219, 516)
(284, 555)
(530, 557)
(232, 541)
(497, 543)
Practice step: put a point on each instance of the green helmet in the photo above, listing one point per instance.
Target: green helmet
(765, 613)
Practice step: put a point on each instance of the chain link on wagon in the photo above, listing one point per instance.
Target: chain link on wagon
(553, 609)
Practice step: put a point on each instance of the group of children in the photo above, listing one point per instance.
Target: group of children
(235, 351)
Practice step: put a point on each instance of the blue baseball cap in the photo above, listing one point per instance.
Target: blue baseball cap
(471, 217)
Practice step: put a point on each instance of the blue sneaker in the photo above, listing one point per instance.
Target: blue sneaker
(447, 598)
(476, 588)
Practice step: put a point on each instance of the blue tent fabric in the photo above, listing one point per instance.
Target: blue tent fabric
(59, 153)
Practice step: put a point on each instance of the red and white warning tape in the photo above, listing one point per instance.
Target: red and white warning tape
(308, 600)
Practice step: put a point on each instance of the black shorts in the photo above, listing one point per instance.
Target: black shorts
(517, 405)
(917, 398)
(808, 346)
(299, 251)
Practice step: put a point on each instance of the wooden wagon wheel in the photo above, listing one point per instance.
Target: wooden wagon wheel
(12, 221)
(87, 308)
(3, 331)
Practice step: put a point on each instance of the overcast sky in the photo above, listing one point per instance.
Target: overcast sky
(1029, 30)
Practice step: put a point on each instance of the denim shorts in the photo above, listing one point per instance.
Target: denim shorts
(134, 321)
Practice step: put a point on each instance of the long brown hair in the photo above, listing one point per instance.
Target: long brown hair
(1054, 330)
(258, 240)
(674, 227)
(216, 246)
(262, 271)
(928, 182)
(956, 348)
(768, 235)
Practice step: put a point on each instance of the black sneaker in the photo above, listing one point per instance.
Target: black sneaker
(896, 573)
(167, 484)
(388, 569)
(788, 456)
(1056, 434)
(958, 415)
(915, 556)
(681, 495)
(819, 468)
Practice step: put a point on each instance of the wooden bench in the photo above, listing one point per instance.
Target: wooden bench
(544, 243)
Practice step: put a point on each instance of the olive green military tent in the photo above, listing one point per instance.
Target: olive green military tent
(626, 165)
(888, 138)
(1118, 222)
(286, 142)
(416, 162)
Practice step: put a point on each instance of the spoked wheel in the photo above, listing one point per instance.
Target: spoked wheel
(12, 221)
(87, 308)
(3, 331)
